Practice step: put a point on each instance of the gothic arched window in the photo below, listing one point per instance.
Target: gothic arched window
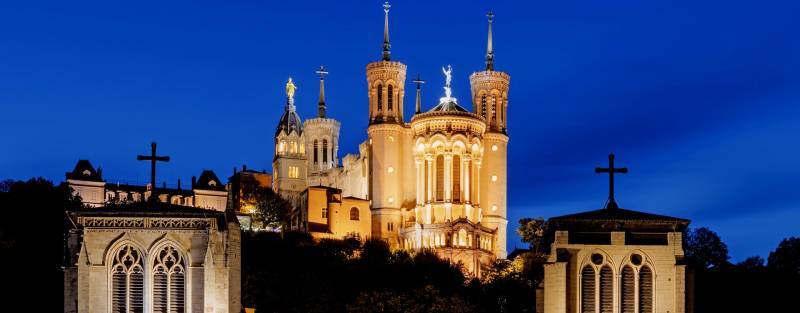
(440, 178)
(483, 106)
(587, 289)
(456, 178)
(316, 151)
(380, 97)
(627, 290)
(606, 290)
(494, 108)
(354, 214)
(169, 282)
(390, 97)
(325, 151)
(127, 281)
(645, 290)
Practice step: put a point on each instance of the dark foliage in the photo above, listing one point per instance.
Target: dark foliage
(271, 210)
(786, 258)
(292, 273)
(32, 240)
(704, 248)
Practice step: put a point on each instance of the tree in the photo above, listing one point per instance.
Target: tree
(531, 230)
(786, 257)
(272, 211)
(752, 264)
(704, 248)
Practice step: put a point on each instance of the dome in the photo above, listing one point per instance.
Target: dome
(448, 105)
(289, 122)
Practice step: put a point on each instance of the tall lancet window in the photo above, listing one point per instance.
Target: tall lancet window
(127, 281)
(494, 108)
(627, 290)
(316, 151)
(606, 290)
(324, 151)
(440, 178)
(456, 178)
(380, 97)
(587, 289)
(645, 290)
(390, 97)
(483, 106)
(169, 282)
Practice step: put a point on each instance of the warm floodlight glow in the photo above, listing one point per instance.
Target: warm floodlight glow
(494, 147)
(494, 177)
(390, 169)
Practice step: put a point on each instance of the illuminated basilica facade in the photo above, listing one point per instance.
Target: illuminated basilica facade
(437, 181)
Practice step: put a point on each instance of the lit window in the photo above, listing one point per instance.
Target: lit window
(390, 169)
(390, 139)
(390, 200)
(354, 214)
(294, 172)
(494, 208)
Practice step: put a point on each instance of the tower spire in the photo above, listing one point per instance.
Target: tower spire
(321, 104)
(419, 83)
(386, 45)
(489, 48)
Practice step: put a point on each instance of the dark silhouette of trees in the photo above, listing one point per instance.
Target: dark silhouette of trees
(786, 258)
(704, 248)
(272, 211)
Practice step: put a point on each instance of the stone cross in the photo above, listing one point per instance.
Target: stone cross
(153, 158)
(612, 203)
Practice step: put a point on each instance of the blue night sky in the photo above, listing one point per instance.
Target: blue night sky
(700, 99)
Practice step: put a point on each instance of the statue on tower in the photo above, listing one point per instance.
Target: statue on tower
(448, 77)
(290, 87)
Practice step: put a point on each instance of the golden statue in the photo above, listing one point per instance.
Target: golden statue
(290, 87)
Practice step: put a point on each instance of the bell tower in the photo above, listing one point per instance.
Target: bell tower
(490, 101)
(289, 163)
(386, 83)
(388, 138)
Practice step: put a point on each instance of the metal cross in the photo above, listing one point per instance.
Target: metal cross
(612, 203)
(153, 158)
(418, 81)
(322, 72)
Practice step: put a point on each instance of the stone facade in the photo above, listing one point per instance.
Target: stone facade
(142, 257)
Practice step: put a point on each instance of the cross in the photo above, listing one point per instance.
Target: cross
(322, 72)
(612, 203)
(418, 81)
(153, 158)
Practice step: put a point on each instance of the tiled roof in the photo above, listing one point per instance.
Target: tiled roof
(85, 171)
(209, 181)
(617, 219)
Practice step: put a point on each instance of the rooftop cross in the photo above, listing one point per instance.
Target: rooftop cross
(419, 83)
(612, 203)
(386, 45)
(321, 104)
(153, 158)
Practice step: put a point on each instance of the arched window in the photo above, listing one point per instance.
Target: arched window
(494, 108)
(282, 146)
(587, 289)
(316, 151)
(169, 282)
(456, 178)
(380, 97)
(293, 147)
(440, 178)
(483, 106)
(324, 151)
(427, 181)
(127, 281)
(645, 290)
(390, 97)
(606, 290)
(354, 214)
(462, 237)
(627, 290)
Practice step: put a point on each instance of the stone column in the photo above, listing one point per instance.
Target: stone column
(448, 177)
(467, 178)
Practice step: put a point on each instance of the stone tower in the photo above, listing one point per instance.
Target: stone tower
(289, 163)
(321, 137)
(387, 138)
(490, 101)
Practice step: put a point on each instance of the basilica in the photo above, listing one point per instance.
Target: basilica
(436, 180)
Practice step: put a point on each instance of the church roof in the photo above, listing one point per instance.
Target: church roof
(154, 209)
(85, 171)
(290, 121)
(618, 219)
(209, 181)
(448, 106)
